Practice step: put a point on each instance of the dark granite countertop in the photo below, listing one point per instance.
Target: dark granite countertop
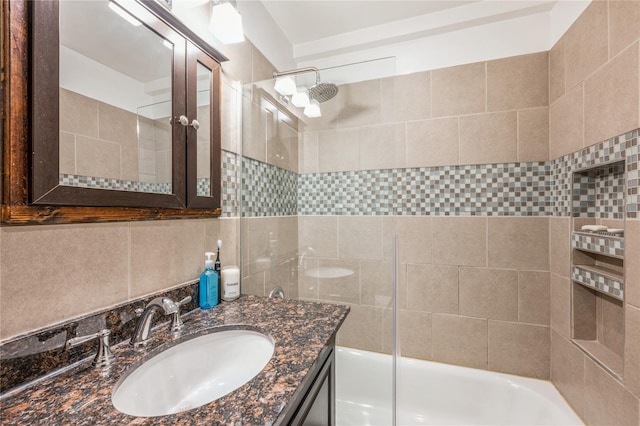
(82, 395)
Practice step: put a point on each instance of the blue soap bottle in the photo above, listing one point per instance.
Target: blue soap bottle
(209, 287)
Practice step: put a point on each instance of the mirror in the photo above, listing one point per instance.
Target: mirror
(101, 117)
(115, 78)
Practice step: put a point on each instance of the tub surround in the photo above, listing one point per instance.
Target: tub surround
(300, 331)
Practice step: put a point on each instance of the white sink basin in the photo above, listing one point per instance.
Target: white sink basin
(193, 373)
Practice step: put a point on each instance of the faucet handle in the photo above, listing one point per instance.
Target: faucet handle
(104, 357)
(176, 323)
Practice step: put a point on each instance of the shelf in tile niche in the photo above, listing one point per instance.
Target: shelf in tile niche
(600, 279)
(600, 244)
(603, 356)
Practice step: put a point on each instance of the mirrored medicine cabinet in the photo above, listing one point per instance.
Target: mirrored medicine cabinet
(112, 112)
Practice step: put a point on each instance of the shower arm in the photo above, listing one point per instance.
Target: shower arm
(277, 74)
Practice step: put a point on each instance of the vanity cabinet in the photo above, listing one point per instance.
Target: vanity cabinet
(315, 403)
(114, 113)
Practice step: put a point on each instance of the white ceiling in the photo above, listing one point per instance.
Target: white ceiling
(419, 34)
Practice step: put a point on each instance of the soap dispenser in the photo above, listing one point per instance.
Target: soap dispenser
(209, 287)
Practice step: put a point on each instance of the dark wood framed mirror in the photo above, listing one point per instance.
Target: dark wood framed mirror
(63, 129)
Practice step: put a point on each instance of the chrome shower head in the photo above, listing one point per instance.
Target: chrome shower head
(322, 92)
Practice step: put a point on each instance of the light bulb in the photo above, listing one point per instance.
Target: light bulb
(300, 99)
(226, 24)
(286, 86)
(313, 109)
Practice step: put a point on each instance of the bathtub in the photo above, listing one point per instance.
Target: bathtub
(431, 393)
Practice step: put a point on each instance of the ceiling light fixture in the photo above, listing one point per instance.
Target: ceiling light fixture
(226, 23)
(313, 109)
(124, 14)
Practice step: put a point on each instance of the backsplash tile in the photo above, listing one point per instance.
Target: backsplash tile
(34, 355)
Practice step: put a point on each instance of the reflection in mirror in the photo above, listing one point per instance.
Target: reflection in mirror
(115, 100)
(204, 131)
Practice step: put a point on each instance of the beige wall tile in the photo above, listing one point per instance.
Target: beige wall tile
(253, 284)
(561, 305)
(376, 284)
(632, 350)
(607, 402)
(534, 297)
(556, 71)
(489, 293)
(460, 241)
(261, 68)
(333, 282)
(254, 124)
(533, 134)
(266, 240)
(229, 117)
(318, 236)
(308, 152)
(97, 158)
(285, 276)
(239, 67)
(362, 329)
(432, 142)
(406, 97)
(67, 153)
(632, 267)
(623, 25)
(225, 229)
(308, 282)
(415, 334)
(358, 104)
(559, 245)
(360, 237)
(459, 340)
(382, 146)
(612, 325)
(432, 288)
(69, 269)
(130, 163)
(458, 90)
(488, 138)
(518, 82)
(117, 125)
(566, 124)
(521, 349)
(586, 44)
(78, 114)
(584, 313)
(415, 237)
(519, 243)
(279, 150)
(338, 150)
(165, 253)
(611, 99)
(567, 371)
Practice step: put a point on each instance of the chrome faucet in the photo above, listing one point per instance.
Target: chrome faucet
(143, 327)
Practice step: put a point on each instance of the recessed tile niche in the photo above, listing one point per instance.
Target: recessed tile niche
(597, 267)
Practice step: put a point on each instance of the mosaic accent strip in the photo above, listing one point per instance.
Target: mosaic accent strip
(487, 189)
(600, 282)
(610, 246)
(268, 190)
(230, 186)
(117, 184)
(599, 192)
(617, 149)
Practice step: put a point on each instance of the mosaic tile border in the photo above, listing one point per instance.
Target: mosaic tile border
(486, 189)
(268, 190)
(508, 189)
(600, 282)
(117, 184)
(610, 246)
